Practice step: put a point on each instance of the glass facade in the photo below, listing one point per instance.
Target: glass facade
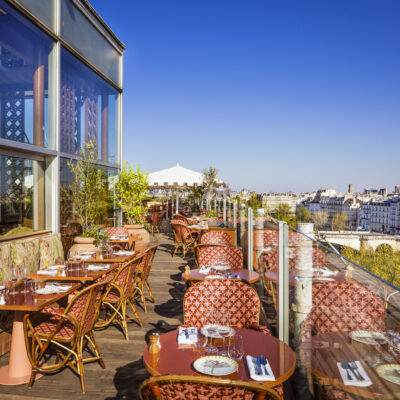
(60, 87)
(22, 193)
(88, 110)
(24, 61)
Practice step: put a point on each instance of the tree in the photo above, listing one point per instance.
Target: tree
(339, 221)
(282, 212)
(88, 185)
(320, 218)
(210, 180)
(254, 202)
(303, 214)
(195, 195)
(131, 193)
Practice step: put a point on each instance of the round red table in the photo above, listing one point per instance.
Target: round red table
(175, 359)
(245, 274)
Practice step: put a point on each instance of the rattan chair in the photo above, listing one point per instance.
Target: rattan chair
(216, 237)
(206, 254)
(118, 297)
(201, 387)
(142, 283)
(184, 238)
(68, 330)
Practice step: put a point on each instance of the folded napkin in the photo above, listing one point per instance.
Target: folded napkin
(51, 272)
(83, 257)
(187, 335)
(61, 288)
(114, 237)
(255, 367)
(124, 253)
(205, 269)
(233, 276)
(354, 381)
(94, 267)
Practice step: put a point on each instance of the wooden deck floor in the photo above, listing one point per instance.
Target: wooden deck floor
(124, 367)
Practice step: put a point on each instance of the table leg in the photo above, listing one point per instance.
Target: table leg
(18, 370)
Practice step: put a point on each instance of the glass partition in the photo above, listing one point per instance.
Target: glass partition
(44, 10)
(24, 79)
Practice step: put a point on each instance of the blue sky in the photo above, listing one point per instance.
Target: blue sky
(278, 95)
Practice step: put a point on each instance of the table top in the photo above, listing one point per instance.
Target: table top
(31, 301)
(324, 352)
(245, 274)
(177, 359)
(74, 274)
(274, 277)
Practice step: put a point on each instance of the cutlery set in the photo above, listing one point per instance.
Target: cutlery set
(351, 366)
(260, 365)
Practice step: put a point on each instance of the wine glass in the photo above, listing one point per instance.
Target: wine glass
(236, 349)
(224, 330)
(202, 340)
(211, 329)
(24, 276)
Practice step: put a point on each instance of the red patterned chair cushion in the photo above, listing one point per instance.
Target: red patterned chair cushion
(216, 237)
(209, 255)
(235, 298)
(46, 328)
(344, 306)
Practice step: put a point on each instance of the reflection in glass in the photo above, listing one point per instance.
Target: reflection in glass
(24, 61)
(22, 195)
(88, 110)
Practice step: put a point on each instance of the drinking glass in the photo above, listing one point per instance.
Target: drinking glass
(201, 340)
(24, 276)
(211, 329)
(224, 330)
(236, 349)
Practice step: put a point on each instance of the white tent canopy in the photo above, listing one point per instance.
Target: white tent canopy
(175, 176)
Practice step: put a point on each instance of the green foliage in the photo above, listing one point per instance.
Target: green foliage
(86, 191)
(131, 193)
(210, 180)
(211, 214)
(254, 202)
(303, 214)
(384, 261)
(97, 233)
(282, 213)
(339, 221)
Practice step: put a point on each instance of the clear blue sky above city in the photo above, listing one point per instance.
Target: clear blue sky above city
(278, 95)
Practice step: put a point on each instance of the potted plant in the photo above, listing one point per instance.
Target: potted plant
(132, 192)
(86, 195)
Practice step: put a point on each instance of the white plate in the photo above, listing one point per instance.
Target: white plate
(221, 267)
(46, 290)
(216, 335)
(2, 287)
(215, 365)
(87, 253)
(390, 372)
(55, 267)
(368, 337)
(215, 277)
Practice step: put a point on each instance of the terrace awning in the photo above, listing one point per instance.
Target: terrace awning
(176, 176)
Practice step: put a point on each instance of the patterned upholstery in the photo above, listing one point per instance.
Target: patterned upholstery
(64, 333)
(216, 237)
(203, 388)
(209, 255)
(344, 306)
(236, 298)
(117, 231)
(177, 218)
(25, 253)
(51, 249)
(183, 237)
(5, 259)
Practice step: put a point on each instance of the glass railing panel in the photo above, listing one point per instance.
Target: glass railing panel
(343, 323)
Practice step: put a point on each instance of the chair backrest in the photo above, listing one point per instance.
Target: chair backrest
(116, 231)
(178, 230)
(85, 305)
(180, 218)
(216, 237)
(233, 297)
(344, 306)
(171, 387)
(124, 278)
(149, 257)
(211, 254)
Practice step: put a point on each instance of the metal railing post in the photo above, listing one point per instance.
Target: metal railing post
(235, 220)
(224, 202)
(250, 239)
(283, 283)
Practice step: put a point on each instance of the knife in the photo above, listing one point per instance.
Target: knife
(355, 373)
(260, 371)
(264, 362)
(257, 366)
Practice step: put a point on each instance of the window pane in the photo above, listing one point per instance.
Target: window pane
(22, 196)
(78, 32)
(41, 9)
(24, 52)
(88, 110)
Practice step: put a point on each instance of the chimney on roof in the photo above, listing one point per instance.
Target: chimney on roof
(351, 188)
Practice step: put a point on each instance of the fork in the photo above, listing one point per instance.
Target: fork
(354, 366)
(344, 365)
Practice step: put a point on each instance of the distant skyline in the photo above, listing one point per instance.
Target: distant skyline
(278, 96)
